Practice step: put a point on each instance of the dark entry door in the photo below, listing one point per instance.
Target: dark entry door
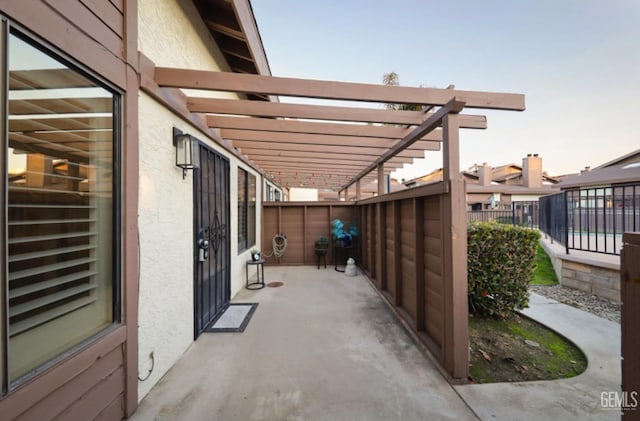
(212, 245)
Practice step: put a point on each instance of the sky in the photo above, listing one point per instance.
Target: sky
(576, 61)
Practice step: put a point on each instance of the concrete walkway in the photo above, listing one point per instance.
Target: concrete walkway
(324, 346)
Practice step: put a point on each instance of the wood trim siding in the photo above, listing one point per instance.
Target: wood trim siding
(69, 34)
(99, 380)
(68, 377)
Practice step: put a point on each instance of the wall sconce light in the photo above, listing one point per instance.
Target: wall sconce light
(187, 151)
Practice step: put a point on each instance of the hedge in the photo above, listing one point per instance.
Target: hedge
(501, 262)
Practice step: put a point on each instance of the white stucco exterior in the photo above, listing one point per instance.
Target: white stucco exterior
(299, 194)
(168, 36)
(525, 197)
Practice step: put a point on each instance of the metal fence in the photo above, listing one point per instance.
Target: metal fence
(521, 213)
(591, 219)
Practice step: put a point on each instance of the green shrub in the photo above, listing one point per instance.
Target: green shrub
(501, 263)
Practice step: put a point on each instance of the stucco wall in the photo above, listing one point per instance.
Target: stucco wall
(297, 194)
(165, 218)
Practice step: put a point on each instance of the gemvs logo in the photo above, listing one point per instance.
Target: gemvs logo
(627, 401)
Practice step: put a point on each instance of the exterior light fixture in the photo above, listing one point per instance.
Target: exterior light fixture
(187, 151)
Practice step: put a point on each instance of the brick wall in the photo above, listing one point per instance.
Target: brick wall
(593, 273)
(595, 280)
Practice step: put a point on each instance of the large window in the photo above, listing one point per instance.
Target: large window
(246, 210)
(61, 260)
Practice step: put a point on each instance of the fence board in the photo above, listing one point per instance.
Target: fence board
(433, 268)
(408, 278)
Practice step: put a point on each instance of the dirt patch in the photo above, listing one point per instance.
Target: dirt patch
(518, 349)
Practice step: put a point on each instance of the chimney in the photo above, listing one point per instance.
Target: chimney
(532, 171)
(484, 174)
(586, 169)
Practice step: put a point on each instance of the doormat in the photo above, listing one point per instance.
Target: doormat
(234, 318)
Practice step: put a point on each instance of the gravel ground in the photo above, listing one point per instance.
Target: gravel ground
(579, 299)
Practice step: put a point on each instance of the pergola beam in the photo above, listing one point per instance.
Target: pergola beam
(262, 153)
(309, 88)
(319, 112)
(434, 120)
(326, 128)
(313, 160)
(310, 137)
(294, 167)
(358, 150)
(316, 139)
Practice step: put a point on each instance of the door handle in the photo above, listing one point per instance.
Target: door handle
(203, 250)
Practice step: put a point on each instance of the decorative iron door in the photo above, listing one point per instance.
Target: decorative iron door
(212, 246)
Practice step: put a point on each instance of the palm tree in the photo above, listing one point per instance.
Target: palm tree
(393, 79)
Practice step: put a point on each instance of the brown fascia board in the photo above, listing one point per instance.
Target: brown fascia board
(620, 159)
(510, 189)
(247, 21)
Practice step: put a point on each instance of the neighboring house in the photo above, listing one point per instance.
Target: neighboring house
(498, 188)
(622, 170)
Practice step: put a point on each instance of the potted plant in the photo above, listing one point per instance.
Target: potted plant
(255, 255)
(341, 237)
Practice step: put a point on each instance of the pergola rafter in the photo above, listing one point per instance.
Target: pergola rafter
(327, 146)
(317, 139)
(325, 113)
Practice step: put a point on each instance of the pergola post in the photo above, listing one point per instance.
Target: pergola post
(456, 346)
(346, 194)
(339, 194)
(381, 179)
(358, 189)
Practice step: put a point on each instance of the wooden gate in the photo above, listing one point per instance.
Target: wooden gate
(630, 285)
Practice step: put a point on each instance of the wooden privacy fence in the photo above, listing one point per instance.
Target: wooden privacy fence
(411, 245)
(302, 223)
(414, 250)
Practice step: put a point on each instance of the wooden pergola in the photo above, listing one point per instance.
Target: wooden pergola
(323, 146)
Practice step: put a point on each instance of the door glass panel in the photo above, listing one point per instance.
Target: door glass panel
(60, 177)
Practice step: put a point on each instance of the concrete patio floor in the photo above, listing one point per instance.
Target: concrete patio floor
(325, 346)
(322, 346)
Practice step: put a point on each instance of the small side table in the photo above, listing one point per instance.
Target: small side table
(259, 264)
(321, 253)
